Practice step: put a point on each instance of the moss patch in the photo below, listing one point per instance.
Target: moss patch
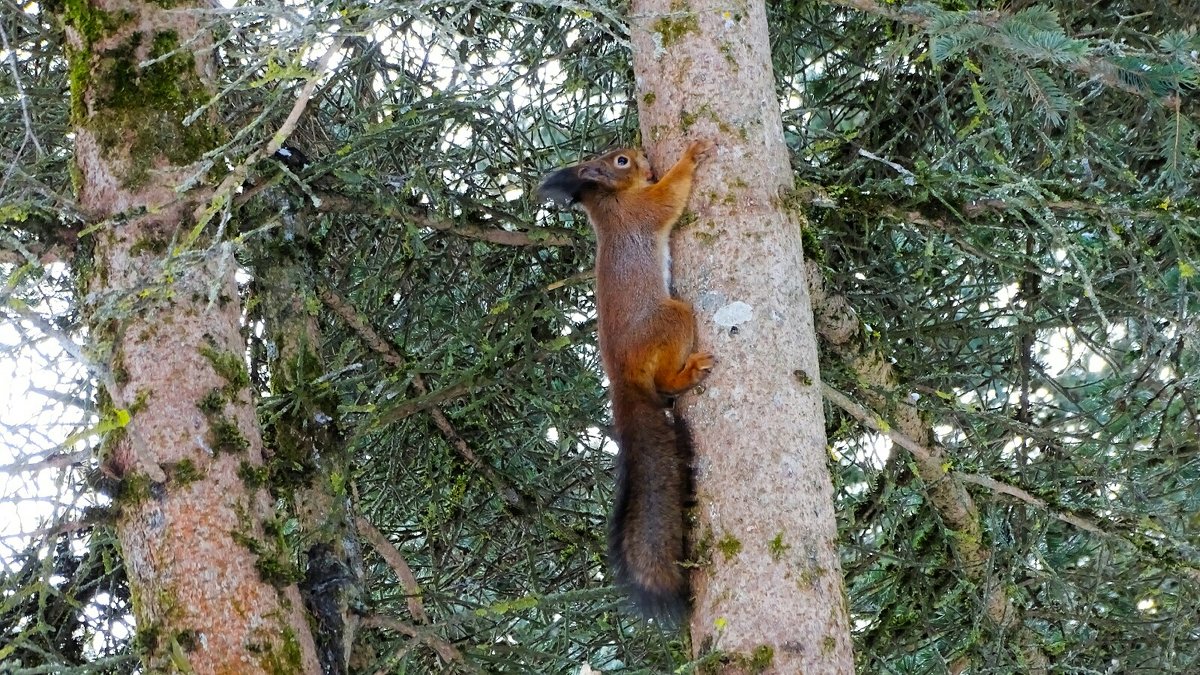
(91, 23)
(252, 475)
(230, 366)
(777, 548)
(212, 403)
(133, 489)
(281, 660)
(677, 24)
(137, 113)
(184, 472)
(761, 658)
(271, 557)
(227, 437)
(729, 546)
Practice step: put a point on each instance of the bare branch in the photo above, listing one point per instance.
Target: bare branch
(392, 556)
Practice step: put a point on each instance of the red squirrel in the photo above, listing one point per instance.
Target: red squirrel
(647, 344)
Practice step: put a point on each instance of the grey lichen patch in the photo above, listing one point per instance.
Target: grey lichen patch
(733, 314)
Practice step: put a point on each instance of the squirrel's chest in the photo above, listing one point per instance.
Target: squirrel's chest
(630, 268)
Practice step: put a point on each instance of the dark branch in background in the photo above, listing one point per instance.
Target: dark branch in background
(448, 652)
(60, 460)
(225, 192)
(334, 203)
(370, 206)
(1093, 67)
(838, 325)
(932, 453)
(378, 344)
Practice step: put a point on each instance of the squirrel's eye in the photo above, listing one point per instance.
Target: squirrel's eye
(622, 161)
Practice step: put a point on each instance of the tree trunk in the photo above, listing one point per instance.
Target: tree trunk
(769, 589)
(213, 587)
(309, 456)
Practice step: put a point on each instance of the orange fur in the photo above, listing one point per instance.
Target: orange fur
(647, 344)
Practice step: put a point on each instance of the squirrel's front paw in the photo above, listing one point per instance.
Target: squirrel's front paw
(701, 150)
(703, 361)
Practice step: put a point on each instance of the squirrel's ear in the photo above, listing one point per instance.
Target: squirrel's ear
(562, 187)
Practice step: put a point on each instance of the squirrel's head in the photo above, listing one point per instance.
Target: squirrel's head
(609, 173)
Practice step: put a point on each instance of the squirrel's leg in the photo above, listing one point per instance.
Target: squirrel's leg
(680, 367)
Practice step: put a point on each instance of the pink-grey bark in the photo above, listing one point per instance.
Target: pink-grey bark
(164, 324)
(770, 591)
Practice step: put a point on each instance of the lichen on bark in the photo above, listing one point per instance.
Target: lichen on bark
(169, 348)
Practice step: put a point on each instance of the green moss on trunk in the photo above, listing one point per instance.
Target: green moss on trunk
(133, 93)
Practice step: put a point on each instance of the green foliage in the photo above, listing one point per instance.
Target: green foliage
(1007, 198)
(1022, 279)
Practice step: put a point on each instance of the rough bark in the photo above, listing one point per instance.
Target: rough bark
(213, 588)
(310, 463)
(768, 591)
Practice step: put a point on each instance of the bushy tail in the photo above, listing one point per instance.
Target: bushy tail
(654, 485)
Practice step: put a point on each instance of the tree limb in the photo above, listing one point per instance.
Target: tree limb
(392, 556)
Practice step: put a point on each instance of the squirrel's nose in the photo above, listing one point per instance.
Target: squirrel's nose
(562, 187)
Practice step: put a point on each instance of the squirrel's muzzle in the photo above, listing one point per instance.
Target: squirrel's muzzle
(562, 187)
